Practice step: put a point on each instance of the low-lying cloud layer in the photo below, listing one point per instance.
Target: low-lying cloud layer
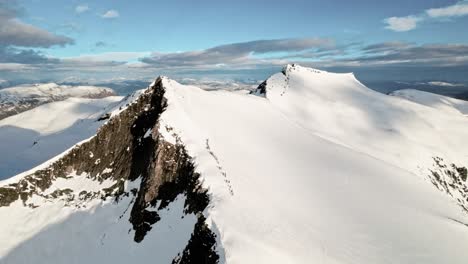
(318, 51)
(261, 54)
(413, 55)
(236, 53)
(28, 56)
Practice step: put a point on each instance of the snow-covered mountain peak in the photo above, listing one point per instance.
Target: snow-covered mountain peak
(321, 170)
(304, 81)
(341, 109)
(347, 161)
(157, 80)
(296, 67)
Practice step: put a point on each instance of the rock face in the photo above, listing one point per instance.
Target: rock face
(126, 149)
(450, 179)
(260, 90)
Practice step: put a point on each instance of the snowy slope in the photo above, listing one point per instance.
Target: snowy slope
(32, 137)
(434, 100)
(89, 231)
(21, 98)
(318, 169)
(339, 108)
(284, 194)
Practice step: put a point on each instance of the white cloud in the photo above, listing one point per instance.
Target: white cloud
(110, 56)
(445, 84)
(407, 23)
(401, 24)
(81, 9)
(111, 14)
(456, 10)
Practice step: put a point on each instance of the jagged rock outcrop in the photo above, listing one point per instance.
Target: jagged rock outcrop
(126, 149)
(450, 179)
(260, 90)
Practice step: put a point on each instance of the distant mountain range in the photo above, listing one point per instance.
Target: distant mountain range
(18, 99)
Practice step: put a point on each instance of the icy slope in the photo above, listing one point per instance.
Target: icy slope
(18, 99)
(32, 137)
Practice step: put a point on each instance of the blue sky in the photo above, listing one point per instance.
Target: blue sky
(107, 38)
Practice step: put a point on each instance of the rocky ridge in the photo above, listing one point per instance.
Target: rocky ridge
(128, 149)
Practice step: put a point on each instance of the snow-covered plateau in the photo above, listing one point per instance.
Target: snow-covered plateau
(21, 98)
(312, 167)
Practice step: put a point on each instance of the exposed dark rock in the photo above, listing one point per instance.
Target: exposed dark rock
(463, 172)
(261, 89)
(450, 179)
(113, 145)
(8, 195)
(104, 117)
(201, 247)
(122, 151)
(170, 174)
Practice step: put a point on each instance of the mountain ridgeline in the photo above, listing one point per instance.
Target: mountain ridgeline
(128, 148)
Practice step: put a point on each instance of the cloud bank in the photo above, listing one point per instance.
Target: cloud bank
(242, 57)
(237, 53)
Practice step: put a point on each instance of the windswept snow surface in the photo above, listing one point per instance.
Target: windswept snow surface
(32, 137)
(322, 170)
